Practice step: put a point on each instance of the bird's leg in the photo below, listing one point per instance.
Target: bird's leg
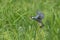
(41, 25)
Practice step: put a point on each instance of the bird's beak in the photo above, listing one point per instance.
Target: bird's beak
(32, 17)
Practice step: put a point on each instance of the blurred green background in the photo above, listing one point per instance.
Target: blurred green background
(16, 22)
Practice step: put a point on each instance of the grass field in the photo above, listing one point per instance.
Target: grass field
(16, 22)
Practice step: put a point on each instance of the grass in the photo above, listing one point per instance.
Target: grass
(16, 22)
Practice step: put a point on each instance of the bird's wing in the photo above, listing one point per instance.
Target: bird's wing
(41, 15)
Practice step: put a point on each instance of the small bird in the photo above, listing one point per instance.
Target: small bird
(39, 18)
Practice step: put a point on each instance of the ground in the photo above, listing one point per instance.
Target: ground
(16, 22)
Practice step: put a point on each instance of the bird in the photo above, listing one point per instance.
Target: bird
(39, 18)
